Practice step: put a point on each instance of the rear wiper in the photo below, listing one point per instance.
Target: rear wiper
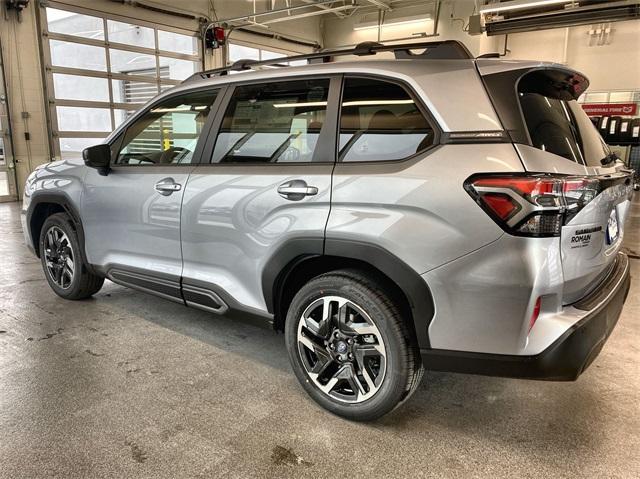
(610, 158)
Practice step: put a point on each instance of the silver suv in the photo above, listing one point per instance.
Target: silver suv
(430, 211)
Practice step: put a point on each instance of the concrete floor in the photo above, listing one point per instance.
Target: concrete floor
(128, 385)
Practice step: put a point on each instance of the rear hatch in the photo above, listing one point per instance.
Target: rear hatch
(555, 138)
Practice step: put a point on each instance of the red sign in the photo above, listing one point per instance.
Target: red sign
(608, 109)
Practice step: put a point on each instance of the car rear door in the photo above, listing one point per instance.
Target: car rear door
(263, 187)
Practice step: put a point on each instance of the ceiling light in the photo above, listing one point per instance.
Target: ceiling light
(518, 4)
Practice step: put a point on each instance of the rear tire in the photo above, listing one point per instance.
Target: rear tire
(62, 260)
(349, 346)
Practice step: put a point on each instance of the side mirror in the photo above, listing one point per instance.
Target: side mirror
(98, 157)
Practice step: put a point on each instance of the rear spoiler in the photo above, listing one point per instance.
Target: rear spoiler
(504, 80)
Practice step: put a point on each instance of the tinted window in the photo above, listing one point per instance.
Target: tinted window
(275, 122)
(594, 149)
(551, 126)
(380, 121)
(168, 133)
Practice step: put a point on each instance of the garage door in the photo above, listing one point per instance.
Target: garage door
(7, 172)
(101, 68)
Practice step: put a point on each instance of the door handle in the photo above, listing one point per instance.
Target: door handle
(167, 186)
(295, 190)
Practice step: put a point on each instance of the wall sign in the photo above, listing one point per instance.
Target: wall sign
(598, 109)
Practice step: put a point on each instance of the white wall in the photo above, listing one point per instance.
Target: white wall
(339, 32)
(613, 66)
(19, 41)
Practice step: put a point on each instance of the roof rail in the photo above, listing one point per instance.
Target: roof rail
(444, 50)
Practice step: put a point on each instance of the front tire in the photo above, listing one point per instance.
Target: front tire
(349, 346)
(60, 254)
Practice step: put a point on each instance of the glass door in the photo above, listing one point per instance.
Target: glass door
(7, 166)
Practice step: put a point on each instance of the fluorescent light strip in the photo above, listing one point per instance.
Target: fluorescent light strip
(180, 109)
(393, 24)
(377, 102)
(501, 7)
(346, 103)
(296, 105)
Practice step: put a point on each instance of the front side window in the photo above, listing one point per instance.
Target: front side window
(551, 126)
(273, 123)
(168, 133)
(380, 121)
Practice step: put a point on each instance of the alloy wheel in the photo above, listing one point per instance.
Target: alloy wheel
(59, 257)
(341, 349)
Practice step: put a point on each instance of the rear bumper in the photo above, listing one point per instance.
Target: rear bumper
(567, 357)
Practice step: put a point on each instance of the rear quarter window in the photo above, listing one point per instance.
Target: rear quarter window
(380, 121)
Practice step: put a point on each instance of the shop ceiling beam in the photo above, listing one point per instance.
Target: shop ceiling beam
(323, 7)
(254, 17)
(380, 4)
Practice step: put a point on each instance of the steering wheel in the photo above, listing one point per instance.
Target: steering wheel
(291, 154)
(174, 152)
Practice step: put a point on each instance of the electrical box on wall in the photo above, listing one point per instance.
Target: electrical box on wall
(214, 37)
(475, 25)
(18, 5)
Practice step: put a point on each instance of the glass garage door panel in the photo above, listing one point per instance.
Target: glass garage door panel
(72, 147)
(74, 55)
(93, 55)
(4, 183)
(121, 116)
(241, 52)
(132, 63)
(177, 43)
(178, 69)
(130, 34)
(127, 91)
(76, 87)
(72, 118)
(76, 24)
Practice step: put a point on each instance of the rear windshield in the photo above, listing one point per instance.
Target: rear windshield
(562, 128)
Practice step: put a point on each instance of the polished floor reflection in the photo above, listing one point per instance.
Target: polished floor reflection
(128, 385)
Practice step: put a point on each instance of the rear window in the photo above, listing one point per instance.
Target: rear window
(551, 126)
(561, 127)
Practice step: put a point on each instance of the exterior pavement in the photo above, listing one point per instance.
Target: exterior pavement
(128, 385)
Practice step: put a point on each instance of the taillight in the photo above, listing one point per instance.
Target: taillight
(535, 313)
(532, 204)
(501, 204)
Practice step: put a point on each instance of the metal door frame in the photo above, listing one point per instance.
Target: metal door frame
(7, 164)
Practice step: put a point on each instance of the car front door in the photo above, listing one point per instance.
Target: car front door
(263, 187)
(131, 217)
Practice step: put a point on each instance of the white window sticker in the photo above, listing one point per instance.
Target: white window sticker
(635, 132)
(612, 128)
(624, 126)
(605, 120)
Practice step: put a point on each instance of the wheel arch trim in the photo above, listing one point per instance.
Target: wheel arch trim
(293, 254)
(63, 200)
